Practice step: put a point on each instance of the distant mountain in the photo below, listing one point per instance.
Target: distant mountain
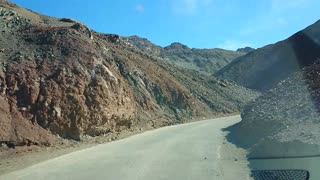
(205, 61)
(245, 49)
(263, 68)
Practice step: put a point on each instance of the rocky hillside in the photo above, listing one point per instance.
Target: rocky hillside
(263, 68)
(58, 77)
(220, 95)
(284, 121)
(205, 61)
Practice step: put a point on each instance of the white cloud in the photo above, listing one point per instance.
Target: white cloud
(188, 7)
(140, 8)
(233, 45)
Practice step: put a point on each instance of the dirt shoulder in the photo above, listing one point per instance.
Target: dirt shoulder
(25, 156)
(233, 162)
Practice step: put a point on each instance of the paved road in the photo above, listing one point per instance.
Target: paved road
(183, 152)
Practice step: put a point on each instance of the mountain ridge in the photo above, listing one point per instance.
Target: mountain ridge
(206, 61)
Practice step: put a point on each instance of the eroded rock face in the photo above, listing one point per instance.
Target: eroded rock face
(67, 86)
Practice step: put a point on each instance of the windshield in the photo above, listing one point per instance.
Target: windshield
(166, 89)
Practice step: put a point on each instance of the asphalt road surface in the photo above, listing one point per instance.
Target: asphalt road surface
(194, 151)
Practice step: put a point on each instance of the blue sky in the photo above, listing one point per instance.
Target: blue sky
(225, 24)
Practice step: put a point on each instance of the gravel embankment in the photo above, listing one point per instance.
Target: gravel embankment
(284, 121)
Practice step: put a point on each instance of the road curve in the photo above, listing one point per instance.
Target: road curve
(191, 151)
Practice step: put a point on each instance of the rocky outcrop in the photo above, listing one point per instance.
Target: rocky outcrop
(143, 44)
(177, 47)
